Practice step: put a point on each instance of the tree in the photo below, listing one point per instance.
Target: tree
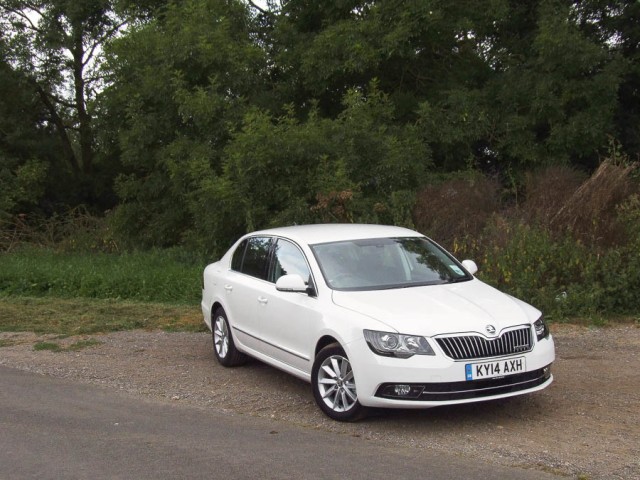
(356, 167)
(616, 23)
(555, 88)
(57, 46)
(181, 85)
(26, 143)
(503, 82)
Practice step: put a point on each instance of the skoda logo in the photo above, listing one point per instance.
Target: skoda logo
(491, 330)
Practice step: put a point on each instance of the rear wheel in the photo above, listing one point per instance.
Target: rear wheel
(334, 386)
(223, 345)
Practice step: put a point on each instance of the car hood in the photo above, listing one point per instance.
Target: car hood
(436, 309)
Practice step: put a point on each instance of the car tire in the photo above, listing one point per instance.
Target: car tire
(334, 387)
(224, 347)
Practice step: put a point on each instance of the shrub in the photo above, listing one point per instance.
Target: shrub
(456, 208)
(571, 248)
(76, 230)
(589, 214)
(526, 262)
(559, 274)
(547, 191)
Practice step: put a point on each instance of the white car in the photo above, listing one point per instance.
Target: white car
(372, 316)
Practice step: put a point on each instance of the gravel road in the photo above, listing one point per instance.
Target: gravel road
(586, 425)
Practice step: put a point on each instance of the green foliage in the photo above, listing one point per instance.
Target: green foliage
(151, 276)
(21, 185)
(56, 47)
(184, 79)
(562, 93)
(25, 146)
(352, 168)
(320, 112)
(203, 119)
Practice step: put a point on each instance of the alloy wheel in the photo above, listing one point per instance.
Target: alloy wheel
(221, 337)
(336, 384)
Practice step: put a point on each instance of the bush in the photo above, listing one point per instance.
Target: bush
(76, 230)
(571, 248)
(526, 262)
(547, 191)
(456, 208)
(589, 214)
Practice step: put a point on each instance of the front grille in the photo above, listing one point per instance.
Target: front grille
(468, 347)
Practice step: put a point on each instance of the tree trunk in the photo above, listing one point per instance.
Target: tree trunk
(69, 153)
(84, 118)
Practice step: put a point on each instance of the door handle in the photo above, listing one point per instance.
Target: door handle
(263, 300)
(228, 288)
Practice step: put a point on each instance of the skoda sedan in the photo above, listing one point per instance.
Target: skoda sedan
(372, 316)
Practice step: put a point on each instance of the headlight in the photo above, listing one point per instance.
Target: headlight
(540, 326)
(397, 345)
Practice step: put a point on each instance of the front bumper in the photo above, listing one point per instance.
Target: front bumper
(439, 380)
(477, 389)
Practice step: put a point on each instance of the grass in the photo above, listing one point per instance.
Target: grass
(44, 291)
(79, 316)
(79, 293)
(53, 347)
(168, 276)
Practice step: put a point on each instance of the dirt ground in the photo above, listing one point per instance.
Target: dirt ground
(586, 425)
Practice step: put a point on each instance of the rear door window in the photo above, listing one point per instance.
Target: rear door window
(238, 256)
(256, 257)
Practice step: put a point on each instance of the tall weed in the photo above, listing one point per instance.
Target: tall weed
(75, 230)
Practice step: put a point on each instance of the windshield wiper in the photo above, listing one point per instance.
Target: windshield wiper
(459, 279)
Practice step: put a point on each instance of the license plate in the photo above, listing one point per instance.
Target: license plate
(499, 368)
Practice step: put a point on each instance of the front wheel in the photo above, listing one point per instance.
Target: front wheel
(334, 386)
(223, 345)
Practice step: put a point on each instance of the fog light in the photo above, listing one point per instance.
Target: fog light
(402, 390)
(546, 371)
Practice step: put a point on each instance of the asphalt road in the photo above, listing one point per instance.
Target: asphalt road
(56, 429)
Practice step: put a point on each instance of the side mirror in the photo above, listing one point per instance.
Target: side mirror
(292, 283)
(470, 266)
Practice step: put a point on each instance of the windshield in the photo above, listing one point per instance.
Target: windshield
(382, 263)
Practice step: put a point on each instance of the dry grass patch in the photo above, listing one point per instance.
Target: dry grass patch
(78, 316)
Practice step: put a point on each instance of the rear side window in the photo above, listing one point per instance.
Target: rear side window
(238, 256)
(256, 257)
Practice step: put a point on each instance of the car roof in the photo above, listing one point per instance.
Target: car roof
(335, 232)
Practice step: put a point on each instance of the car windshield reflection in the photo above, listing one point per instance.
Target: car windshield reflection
(386, 263)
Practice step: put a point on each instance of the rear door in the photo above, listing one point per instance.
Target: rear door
(245, 281)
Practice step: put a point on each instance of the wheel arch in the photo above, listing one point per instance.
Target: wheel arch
(214, 307)
(323, 342)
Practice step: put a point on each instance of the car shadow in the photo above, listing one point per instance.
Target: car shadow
(530, 407)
